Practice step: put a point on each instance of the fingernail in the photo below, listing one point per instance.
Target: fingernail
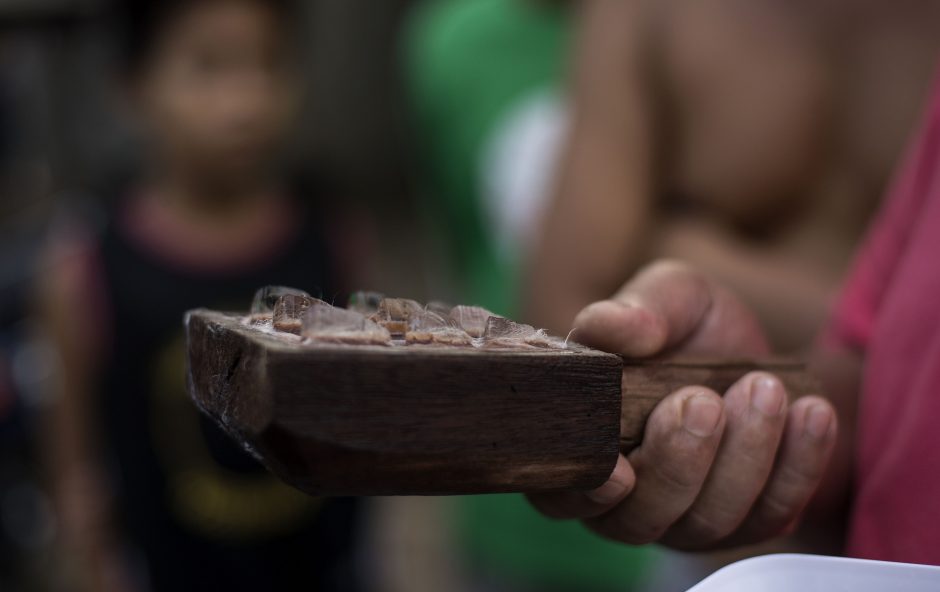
(700, 415)
(766, 395)
(818, 421)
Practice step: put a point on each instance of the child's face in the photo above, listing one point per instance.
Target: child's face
(217, 93)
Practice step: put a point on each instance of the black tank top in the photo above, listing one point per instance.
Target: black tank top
(199, 509)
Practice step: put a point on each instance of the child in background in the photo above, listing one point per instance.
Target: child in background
(152, 496)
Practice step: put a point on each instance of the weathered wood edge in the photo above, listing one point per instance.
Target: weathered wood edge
(225, 377)
(230, 384)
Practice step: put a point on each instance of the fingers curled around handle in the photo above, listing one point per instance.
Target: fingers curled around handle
(679, 445)
(756, 409)
(805, 450)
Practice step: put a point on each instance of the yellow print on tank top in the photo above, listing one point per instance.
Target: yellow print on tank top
(207, 498)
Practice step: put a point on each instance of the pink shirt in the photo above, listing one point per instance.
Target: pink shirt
(890, 311)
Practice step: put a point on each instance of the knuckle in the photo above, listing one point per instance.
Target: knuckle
(777, 509)
(757, 456)
(802, 475)
(793, 488)
(668, 266)
(678, 270)
(709, 526)
(673, 478)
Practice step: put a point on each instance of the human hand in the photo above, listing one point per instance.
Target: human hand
(710, 471)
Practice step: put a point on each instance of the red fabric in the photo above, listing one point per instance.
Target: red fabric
(147, 221)
(890, 310)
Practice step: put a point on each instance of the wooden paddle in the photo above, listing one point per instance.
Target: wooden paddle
(432, 420)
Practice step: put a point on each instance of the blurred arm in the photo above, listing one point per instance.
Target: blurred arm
(790, 292)
(69, 433)
(593, 235)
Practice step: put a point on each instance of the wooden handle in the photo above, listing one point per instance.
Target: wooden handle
(375, 420)
(646, 383)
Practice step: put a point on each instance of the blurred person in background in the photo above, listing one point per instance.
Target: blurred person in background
(151, 495)
(856, 471)
(485, 79)
(751, 138)
(27, 522)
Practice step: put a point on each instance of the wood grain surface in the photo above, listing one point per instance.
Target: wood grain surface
(646, 383)
(378, 420)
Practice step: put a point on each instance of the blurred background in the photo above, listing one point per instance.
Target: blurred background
(71, 133)
(523, 155)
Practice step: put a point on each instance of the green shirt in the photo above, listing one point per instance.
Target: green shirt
(468, 62)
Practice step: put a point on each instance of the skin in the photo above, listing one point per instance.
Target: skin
(678, 99)
(215, 99)
(714, 469)
(753, 139)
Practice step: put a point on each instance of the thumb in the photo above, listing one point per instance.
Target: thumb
(669, 306)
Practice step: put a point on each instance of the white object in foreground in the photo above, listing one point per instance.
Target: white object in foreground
(816, 573)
